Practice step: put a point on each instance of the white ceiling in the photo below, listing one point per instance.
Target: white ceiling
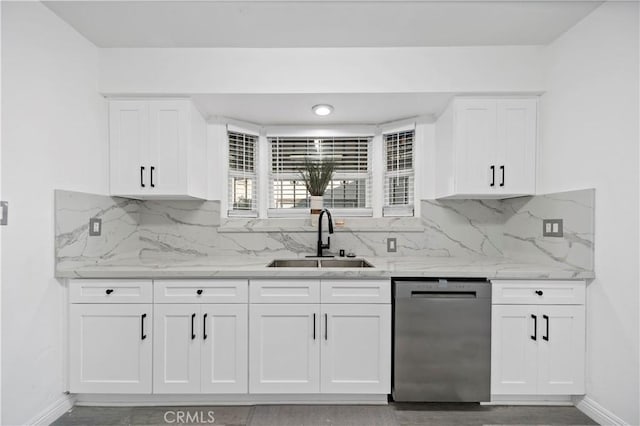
(327, 23)
(351, 108)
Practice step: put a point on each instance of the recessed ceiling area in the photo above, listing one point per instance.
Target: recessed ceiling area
(349, 108)
(263, 24)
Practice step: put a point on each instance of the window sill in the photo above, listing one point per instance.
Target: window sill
(350, 224)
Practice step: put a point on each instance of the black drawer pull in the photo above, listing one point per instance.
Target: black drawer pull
(493, 176)
(539, 292)
(143, 336)
(535, 327)
(546, 336)
(501, 183)
(142, 176)
(326, 321)
(199, 291)
(193, 318)
(109, 291)
(314, 326)
(153, 169)
(204, 327)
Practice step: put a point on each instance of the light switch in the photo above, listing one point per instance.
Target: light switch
(391, 245)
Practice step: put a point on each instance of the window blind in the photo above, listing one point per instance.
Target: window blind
(349, 189)
(242, 174)
(399, 173)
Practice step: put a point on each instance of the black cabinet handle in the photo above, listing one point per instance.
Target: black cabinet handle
(493, 176)
(535, 327)
(539, 292)
(199, 291)
(153, 168)
(193, 335)
(142, 335)
(546, 336)
(314, 326)
(109, 291)
(501, 168)
(204, 327)
(326, 332)
(142, 176)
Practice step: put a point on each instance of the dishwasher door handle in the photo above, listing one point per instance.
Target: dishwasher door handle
(417, 294)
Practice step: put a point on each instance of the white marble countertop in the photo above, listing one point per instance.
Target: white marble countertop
(384, 267)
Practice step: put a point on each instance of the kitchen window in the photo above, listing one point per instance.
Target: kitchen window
(399, 173)
(348, 192)
(242, 179)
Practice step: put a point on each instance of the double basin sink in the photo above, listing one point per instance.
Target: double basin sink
(320, 263)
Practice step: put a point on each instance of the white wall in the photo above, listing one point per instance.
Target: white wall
(590, 139)
(54, 135)
(329, 70)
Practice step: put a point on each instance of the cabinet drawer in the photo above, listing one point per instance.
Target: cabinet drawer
(200, 291)
(284, 291)
(538, 292)
(355, 291)
(110, 291)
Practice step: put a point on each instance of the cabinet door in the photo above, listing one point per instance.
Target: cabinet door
(128, 146)
(562, 350)
(284, 351)
(475, 131)
(225, 334)
(516, 146)
(514, 350)
(110, 348)
(168, 136)
(356, 349)
(176, 364)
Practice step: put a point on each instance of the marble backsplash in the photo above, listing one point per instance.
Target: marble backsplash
(174, 231)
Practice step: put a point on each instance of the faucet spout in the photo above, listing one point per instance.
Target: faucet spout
(321, 245)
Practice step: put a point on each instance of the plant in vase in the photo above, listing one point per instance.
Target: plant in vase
(316, 175)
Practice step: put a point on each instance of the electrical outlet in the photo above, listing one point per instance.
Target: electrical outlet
(95, 227)
(552, 228)
(391, 245)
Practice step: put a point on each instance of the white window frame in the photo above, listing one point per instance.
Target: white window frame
(410, 209)
(320, 132)
(227, 212)
(376, 160)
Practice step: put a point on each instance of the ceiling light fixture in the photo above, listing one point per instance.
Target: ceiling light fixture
(322, 109)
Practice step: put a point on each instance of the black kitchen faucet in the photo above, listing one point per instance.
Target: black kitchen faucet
(321, 245)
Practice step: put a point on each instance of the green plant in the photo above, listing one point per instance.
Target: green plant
(317, 175)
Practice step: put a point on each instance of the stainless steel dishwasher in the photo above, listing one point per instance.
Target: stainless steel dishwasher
(442, 340)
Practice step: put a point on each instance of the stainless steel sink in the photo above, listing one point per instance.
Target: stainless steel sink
(345, 263)
(315, 263)
(293, 263)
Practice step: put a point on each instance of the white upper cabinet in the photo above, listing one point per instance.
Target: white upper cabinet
(486, 148)
(157, 149)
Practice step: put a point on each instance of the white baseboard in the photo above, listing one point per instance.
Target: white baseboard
(121, 400)
(53, 411)
(560, 400)
(597, 412)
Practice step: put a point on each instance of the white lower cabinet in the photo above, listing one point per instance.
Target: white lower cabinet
(320, 348)
(110, 348)
(355, 350)
(201, 336)
(284, 348)
(561, 357)
(538, 348)
(200, 348)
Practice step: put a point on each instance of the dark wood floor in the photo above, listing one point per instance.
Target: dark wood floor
(327, 415)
